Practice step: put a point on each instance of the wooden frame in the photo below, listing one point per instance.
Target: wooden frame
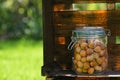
(59, 21)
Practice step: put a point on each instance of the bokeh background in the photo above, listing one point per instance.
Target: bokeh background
(21, 45)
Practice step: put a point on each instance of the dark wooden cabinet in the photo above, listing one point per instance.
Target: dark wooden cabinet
(59, 19)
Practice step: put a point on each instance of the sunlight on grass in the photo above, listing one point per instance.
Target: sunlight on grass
(21, 60)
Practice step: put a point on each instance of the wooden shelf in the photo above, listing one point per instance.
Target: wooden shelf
(54, 70)
(79, 1)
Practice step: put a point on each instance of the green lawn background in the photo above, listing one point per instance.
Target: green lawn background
(21, 60)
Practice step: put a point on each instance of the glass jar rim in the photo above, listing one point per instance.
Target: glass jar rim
(89, 31)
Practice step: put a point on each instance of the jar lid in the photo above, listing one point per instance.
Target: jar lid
(89, 32)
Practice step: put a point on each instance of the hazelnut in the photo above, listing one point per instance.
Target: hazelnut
(77, 57)
(98, 68)
(104, 65)
(84, 70)
(97, 42)
(99, 61)
(97, 49)
(90, 58)
(93, 63)
(103, 46)
(79, 64)
(90, 70)
(86, 65)
(102, 53)
(83, 59)
(83, 53)
(89, 51)
(77, 45)
(95, 55)
(83, 45)
(77, 49)
(91, 44)
(75, 61)
(103, 58)
(79, 70)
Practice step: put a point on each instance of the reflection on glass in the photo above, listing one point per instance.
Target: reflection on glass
(90, 6)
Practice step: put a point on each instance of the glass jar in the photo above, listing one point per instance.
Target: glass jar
(89, 46)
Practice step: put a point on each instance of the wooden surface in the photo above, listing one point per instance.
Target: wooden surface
(48, 31)
(59, 20)
(77, 1)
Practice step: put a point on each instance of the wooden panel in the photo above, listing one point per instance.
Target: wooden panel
(48, 37)
(92, 78)
(96, 1)
(81, 17)
(87, 17)
(63, 1)
(114, 17)
(77, 1)
(115, 29)
(95, 18)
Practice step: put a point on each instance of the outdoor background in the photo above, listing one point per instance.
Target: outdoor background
(21, 45)
(21, 40)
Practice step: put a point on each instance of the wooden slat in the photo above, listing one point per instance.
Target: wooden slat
(115, 31)
(81, 17)
(92, 78)
(87, 17)
(63, 1)
(48, 32)
(79, 1)
(95, 18)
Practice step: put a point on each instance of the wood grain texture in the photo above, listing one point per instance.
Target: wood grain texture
(59, 21)
(48, 31)
(77, 1)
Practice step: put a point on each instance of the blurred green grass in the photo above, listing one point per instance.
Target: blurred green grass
(21, 60)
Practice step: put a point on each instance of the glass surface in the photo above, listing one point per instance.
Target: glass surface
(90, 50)
(89, 6)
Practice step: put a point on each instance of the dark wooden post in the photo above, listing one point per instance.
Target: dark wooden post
(48, 31)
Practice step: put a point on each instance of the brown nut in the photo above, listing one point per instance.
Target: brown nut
(86, 65)
(83, 59)
(77, 57)
(99, 61)
(98, 68)
(102, 53)
(96, 55)
(97, 42)
(104, 65)
(90, 70)
(79, 70)
(89, 51)
(91, 44)
(97, 49)
(83, 45)
(104, 59)
(77, 49)
(83, 53)
(75, 62)
(90, 58)
(93, 63)
(84, 70)
(103, 46)
(79, 64)
(77, 45)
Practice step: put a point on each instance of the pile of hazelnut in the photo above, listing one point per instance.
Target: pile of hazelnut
(90, 56)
